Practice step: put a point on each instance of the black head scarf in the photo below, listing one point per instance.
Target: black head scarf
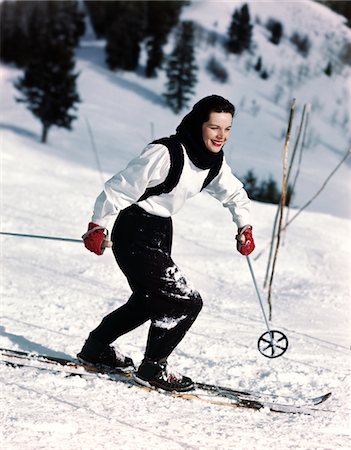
(189, 131)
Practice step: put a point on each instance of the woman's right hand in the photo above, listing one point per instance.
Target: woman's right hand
(95, 239)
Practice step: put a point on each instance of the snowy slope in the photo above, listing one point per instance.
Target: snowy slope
(53, 294)
(263, 105)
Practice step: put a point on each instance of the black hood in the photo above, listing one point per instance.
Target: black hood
(189, 132)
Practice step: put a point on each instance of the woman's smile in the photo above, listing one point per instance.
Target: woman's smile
(216, 131)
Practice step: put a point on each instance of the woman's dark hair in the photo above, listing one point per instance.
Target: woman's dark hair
(213, 103)
(201, 112)
(189, 131)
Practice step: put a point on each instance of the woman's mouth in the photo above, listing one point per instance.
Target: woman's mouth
(218, 143)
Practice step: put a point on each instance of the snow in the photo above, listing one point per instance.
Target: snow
(54, 293)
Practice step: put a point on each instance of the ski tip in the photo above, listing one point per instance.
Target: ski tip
(321, 398)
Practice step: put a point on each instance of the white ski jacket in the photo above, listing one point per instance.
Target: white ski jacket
(150, 169)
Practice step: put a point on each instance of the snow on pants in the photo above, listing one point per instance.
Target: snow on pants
(142, 247)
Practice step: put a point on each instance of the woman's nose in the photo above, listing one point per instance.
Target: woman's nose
(220, 134)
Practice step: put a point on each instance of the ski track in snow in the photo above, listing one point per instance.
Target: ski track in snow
(54, 293)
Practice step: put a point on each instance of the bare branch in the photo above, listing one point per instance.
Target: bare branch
(282, 204)
(347, 154)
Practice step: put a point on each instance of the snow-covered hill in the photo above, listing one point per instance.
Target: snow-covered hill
(263, 105)
(54, 293)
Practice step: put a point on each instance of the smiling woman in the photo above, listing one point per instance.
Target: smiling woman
(216, 131)
(142, 238)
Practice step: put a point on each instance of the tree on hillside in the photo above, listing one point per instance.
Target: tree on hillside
(124, 36)
(48, 85)
(181, 69)
(101, 14)
(18, 37)
(329, 69)
(265, 191)
(13, 40)
(302, 43)
(276, 29)
(240, 30)
(128, 24)
(161, 17)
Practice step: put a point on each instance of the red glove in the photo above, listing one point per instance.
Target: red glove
(245, 242)
(94, 238)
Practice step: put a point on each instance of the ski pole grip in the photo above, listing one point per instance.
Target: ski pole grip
(106, 243)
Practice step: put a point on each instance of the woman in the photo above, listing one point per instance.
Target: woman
(142, 238)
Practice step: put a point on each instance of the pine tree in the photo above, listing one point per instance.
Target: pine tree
(18, 37)
(14, 41)
(181, 69)
(258, 65)
(74, 18)
(240, 31)
(124, 36)
(161, 17)
(100, 16)
(276, 29)
(329, 69)
(48, 85)
(269, 192)
(250, 183)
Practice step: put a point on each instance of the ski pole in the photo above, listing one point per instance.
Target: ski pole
(106, 243)
(272, 343)
(37, 236)
(258, 293)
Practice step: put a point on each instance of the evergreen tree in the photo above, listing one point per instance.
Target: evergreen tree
(103, 13)
(217, 70)
(48, 85)
(276, 29)
(329, 69)
(240, 31)
(73, 18)
(250, 183)
(18, 36)
(265, 191)
(126, 24)
(269, 192)
(97, 12)
(161, 17)
(302, 43)
(123, 45)
(7, 40)
(258, 65)
(181, 69)
(14, 41)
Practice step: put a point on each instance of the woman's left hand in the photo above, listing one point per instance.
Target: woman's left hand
(245, 241)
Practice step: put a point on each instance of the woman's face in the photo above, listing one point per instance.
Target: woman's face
(216, 131)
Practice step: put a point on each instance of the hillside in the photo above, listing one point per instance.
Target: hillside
(54, 293)
(263, 105)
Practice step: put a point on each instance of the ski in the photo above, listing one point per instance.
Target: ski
(209, 393)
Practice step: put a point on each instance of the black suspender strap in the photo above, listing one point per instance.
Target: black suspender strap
(176, 168)
(214, 171)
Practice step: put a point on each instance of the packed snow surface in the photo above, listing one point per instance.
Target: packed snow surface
(54, 293)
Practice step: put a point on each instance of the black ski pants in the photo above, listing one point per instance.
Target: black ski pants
(142, 247)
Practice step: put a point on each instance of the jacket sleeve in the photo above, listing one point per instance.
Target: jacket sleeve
(226, 188)
(126, 187)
